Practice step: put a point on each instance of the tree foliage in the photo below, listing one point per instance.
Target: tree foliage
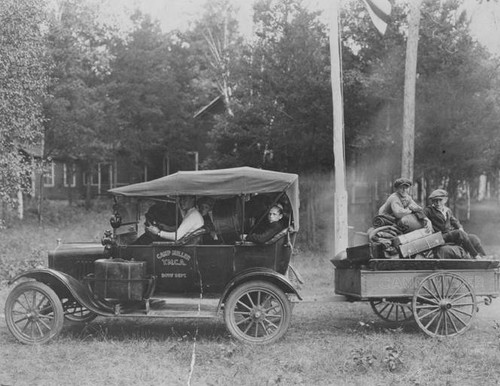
(135, 95)
(455, 87)
(80, 118)
(455, 75)
(23, 82)
(217, 44)
(152, 81)
(281, 120)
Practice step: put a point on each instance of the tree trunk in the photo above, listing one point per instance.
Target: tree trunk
(468, 201)
(88, 187)
(40, 199)
(482, 188)
(20, 205)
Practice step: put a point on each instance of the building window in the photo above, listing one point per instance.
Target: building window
(48, 174)
(69, 175)
(102, 175)
(94, 176)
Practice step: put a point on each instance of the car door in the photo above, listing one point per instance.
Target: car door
(175, 268)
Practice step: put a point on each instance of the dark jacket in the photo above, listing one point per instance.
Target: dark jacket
(208, 223)
(442, 223)
(267, 234)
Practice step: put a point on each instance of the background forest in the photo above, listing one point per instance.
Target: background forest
(83, 88)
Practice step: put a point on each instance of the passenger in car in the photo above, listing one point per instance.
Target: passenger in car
(205, 205)
(191, 221)
(275, 225)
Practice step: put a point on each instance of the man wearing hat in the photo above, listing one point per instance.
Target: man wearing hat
(444, 221)
(400, 205)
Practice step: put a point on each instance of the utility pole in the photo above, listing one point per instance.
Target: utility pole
(340, 227)
(408, 153)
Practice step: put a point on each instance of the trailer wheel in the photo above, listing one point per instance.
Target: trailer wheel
(75, 312)
(392, 310)
(257, 312)
(444, 304)
(33, 312)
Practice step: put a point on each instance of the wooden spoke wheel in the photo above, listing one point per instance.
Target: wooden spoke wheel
(75, 312)
(34, 313)
(257, 312)
(444, 304)
(393, 310)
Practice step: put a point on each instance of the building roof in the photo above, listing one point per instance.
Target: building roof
(215, 106)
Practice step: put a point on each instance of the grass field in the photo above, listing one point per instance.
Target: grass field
(328, 343)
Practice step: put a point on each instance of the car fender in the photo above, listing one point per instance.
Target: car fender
(265, 274)
(65, 286)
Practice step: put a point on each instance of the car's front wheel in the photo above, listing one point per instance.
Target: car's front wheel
(34, 313)
(257, 312)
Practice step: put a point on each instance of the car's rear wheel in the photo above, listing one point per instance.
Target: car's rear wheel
(34, 313)
(257, 312)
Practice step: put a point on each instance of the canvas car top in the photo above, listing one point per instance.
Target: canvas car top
(229, 182)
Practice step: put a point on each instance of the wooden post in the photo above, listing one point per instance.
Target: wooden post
(340, 227)
(409, 90)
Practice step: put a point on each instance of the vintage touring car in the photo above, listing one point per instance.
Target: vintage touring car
(192, 277)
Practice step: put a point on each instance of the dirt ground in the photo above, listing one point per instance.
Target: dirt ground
(316, 321)
(485, 222)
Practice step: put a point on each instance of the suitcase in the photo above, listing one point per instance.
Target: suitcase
(421, 245)
(410, 236)
(120, 279)
(363, 253)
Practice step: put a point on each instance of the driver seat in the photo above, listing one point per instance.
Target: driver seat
(193, 238)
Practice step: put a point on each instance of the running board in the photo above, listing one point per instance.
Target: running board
(170, 307)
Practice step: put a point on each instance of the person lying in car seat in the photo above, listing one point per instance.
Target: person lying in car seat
(275, 225)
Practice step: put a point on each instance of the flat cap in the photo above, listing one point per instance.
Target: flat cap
(402, 181)
(438, 193)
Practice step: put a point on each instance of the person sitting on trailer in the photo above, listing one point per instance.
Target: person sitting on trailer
(275, 225)
(444, 221)
(191, 221)
(400, 206)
